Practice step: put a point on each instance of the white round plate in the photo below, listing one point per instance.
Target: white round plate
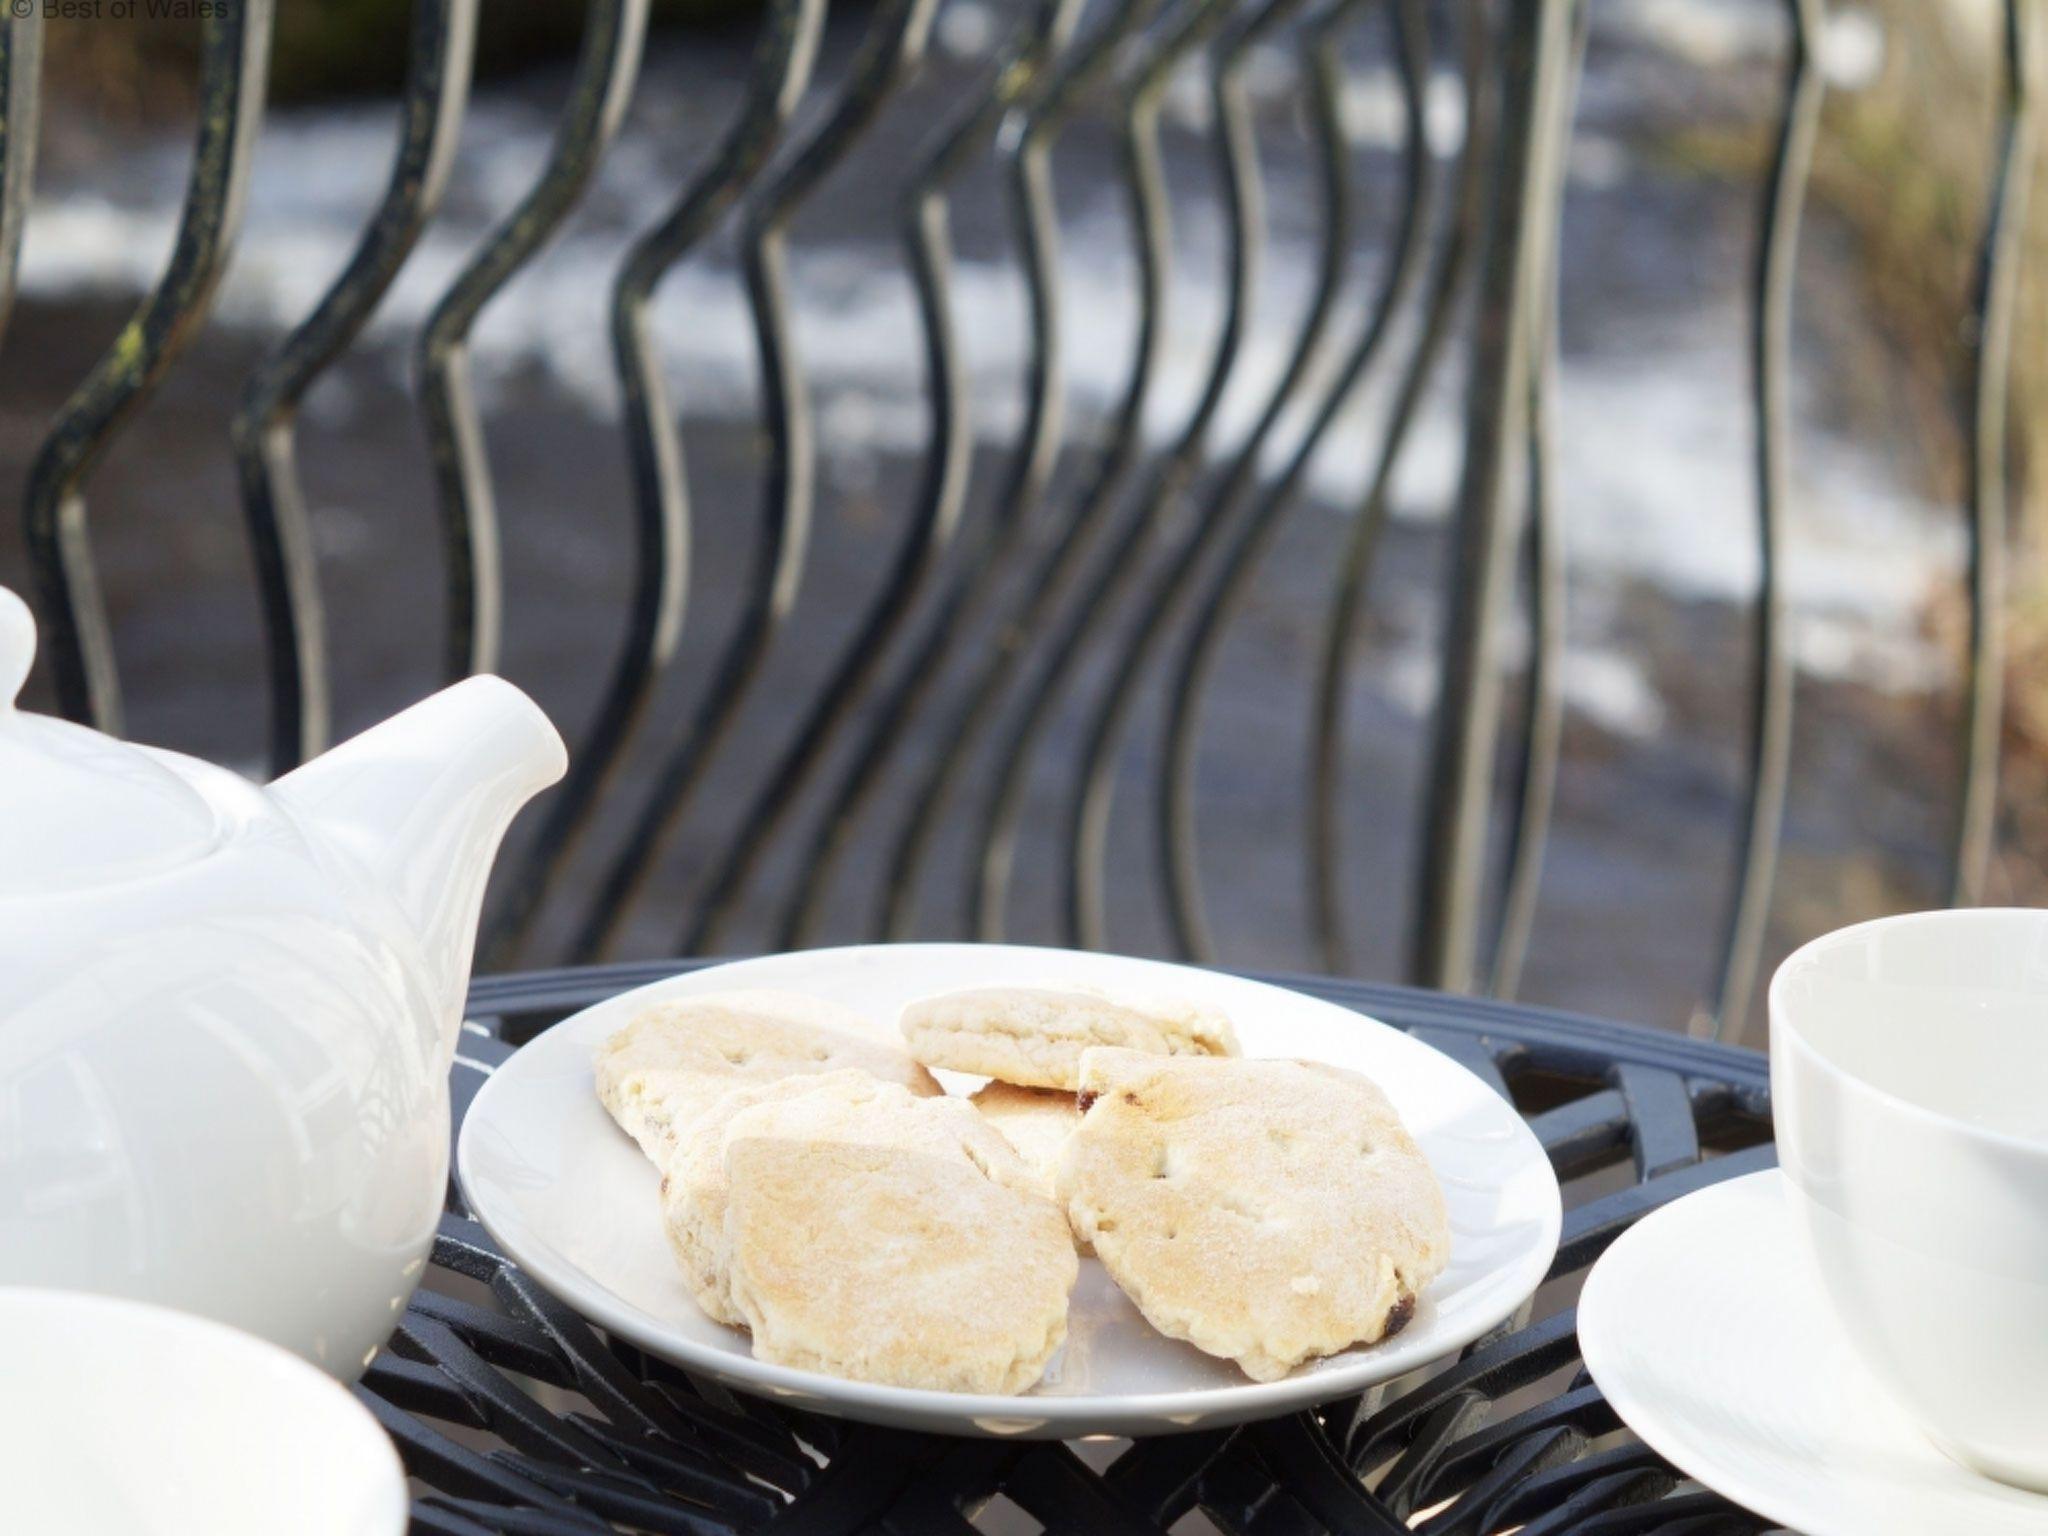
(1709, 1335)
(118, 1418)
(573, 1202)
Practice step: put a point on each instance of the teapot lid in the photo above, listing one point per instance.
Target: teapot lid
(79, 809)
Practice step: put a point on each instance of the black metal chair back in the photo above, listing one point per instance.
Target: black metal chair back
(1037, 595)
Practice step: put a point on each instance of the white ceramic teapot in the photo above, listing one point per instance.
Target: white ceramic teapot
(227, 1012)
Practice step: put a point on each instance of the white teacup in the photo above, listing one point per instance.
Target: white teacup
(1909, 1081)
(118, 1418)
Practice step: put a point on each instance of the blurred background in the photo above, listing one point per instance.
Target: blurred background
(1673, 128)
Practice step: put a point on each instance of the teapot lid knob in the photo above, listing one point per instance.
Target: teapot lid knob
(79, 809)
(17, 646)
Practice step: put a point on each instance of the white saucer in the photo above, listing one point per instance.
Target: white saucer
(1710, 1337)
(573, 1202)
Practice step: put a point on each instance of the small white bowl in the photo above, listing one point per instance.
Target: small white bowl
(122, 1419)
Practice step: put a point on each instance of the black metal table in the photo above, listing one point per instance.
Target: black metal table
(516, 1417)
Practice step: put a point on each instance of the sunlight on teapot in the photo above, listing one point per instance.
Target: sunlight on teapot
(227, 1012)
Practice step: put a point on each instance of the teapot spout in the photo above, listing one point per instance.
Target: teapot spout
(420, 804)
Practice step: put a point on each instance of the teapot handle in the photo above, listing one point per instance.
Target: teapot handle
(17, 646)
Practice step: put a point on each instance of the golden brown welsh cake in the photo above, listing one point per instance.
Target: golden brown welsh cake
(892, 1239)
(1034, 1036)
(1036, 1121)
(1270, 1212)
(693, 1180)
(675, 1059)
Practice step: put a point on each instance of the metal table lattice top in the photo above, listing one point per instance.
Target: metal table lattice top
(514, 1416)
